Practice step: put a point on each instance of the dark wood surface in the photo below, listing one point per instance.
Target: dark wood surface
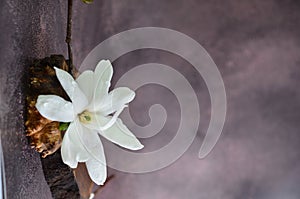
(29, 30)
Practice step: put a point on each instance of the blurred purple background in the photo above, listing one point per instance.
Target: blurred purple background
(256, 46)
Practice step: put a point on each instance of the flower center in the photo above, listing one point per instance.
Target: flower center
(85, 117)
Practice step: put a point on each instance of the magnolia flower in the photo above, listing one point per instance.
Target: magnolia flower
(92, 112)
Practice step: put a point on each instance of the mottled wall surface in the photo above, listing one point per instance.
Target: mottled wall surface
(256, 47)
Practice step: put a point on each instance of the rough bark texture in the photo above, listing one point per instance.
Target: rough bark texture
(43, 81)
(60, 177)
(29, 30)
(45, 135)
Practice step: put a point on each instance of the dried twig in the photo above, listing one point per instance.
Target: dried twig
(69, 34)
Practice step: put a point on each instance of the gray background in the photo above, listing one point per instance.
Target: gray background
(254, 43)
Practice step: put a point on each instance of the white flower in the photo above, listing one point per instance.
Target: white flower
(93, 111)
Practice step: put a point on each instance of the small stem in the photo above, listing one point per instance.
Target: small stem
(69, 34)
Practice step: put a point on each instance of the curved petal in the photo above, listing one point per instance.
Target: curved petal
(115, 100)
(97, 171)
(96, 164)
(91, 142)
(72, 151)
(71, 87)
(102, 77)
(85, 81)
(122, 136)
(55, 108)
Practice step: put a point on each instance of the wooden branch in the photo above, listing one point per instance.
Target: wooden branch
(69, 34)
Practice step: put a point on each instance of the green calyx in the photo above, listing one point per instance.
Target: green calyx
(63, 126)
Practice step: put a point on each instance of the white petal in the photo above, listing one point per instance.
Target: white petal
(71, 87)
(55, 108)
(97, 171)
(72, 151)
(121, 135)
(86, 83)
(115, 100)
(96, 164)
(102, 77)
(91, 142)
